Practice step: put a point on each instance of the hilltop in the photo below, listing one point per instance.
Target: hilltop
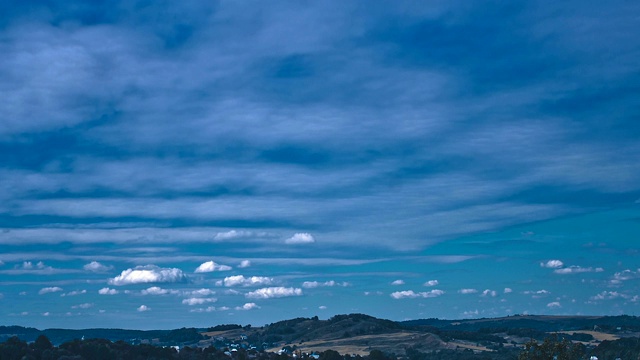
(359, 334)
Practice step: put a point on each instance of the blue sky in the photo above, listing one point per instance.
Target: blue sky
(169, 164)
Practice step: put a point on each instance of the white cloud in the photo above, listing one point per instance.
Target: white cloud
(143, 308)
(508, 290)
(322, 307)
(398, 282)
(148, 274)
(609, 295)
(624, 275)
(489, 292)
(239, 280)
(232, 234)
(552, 264)
(577, 270)
(412, 294)
(431, 283)
(300, 238)
(198, 301)
(107, 291)
(82, 306)
(244, 264)
(200, 310)
(554, 304)
(248, 306)
(75, 292)
(201, 292)
(467, 291)
(274, 292)
(97, 267)
(315, 284)
(211, 266)
(47, 290)
(155, 290)
(46, 313)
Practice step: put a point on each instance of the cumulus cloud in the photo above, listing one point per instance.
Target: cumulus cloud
(554, 304)
(624, 275)
(201, 292)
(155, 290)
(274, 292)
(248, 306)
(143, 308)
(552, 264)
(198, 301)
(244, 264)
(508, 290)
(322, 307)
(609, 295)
(489, 292)
(211, 266)
(95, 266)
(397, 282)
(577, 270)
(431, 283)
(148, 274)
(411, 294)
(240, 280)
(300, 238)
(48, 290)
(107, 291)
(467, 291)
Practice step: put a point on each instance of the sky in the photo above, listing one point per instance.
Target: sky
(192, 163)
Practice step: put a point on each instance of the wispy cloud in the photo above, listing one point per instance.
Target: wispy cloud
(274, 292)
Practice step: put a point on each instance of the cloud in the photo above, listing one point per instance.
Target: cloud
(330, 283)
(489, 292)
(143, 308)
(609, 295)
(107, 291)
(553, 305)
(75, 292)
(467, 291)
(552, 264)
(232, 234)
(300, 238)
(155, 290)
(398, 282)
(82, 306)
(274, 292)
(508, 290)
(322, 307)
(431, 283)
(248, 306)
(198, 301)
(240, 280)
(211, 266)
(148, 274)
(410, 294)
(624, 275)
(577, 270)
(201, 292)
(244, 264)
(97, 267)
(48, 290)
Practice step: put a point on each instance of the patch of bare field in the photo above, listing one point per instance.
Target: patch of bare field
(599, 336)
(362, 345)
